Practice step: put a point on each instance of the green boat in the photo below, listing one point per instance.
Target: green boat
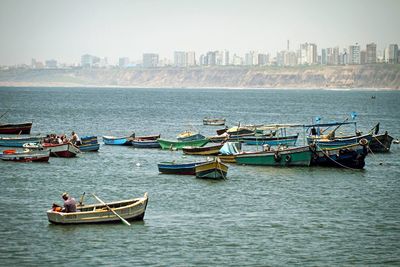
(297, 156)
(169, 144)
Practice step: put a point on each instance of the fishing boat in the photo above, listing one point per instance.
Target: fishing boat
(350, 156)
(89, 144)
(66, 150)
(219, 138)
(297, 156)
(130, 210)
(143, 143)
(212, 169)
(121, 140)
(178, 168)
(317, 135)
(148, 137)
(270, 140)
(381, 142)
(213, 121)
(228, 152)
(25, 156)
(19, 141)
(190, 136)
(16, 128)
(174, 145)
(206, 150)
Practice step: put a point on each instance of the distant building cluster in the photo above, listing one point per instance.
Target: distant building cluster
(305, 54)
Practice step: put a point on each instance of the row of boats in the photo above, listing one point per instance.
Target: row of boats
(274, 147)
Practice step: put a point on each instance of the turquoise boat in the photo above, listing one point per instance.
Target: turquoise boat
(169, 144)
(19, 141)
(121, 141)
(297, 156)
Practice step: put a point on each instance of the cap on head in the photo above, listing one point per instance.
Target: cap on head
(65, 195)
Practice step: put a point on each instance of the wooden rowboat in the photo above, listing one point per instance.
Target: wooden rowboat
(144, 143)
(213, 170)
(207, 150)
(169, 144)
(118, 140)
(381, 143)
(187, 168)
(67, 150)
(89, 144)
(298, 156)
(25, 156)
(19, 141)
(130, 210)
(16, 128)
(213, 122)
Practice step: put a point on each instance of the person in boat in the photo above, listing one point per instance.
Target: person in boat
(69, 203)
(75, 139)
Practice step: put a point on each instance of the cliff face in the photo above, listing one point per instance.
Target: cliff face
(361, 76)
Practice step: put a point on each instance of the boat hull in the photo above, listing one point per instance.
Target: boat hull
(272, 141)
(89, 147)
(145, 144)
(202, 151)
(167, 144)
(213, 122)
(19, 141)
(227, 158)
(31, 156)
(299, 156)
(181, 169)
(119, 141)
(338, 142)
(212, 170)
(16, 128)
(352, 156)
(62, 150)
(381, 143)
(130, 210)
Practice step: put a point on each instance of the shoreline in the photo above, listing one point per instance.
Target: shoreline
(57, 85)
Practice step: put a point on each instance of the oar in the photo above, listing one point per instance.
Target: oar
(81, 200)
(108, 207)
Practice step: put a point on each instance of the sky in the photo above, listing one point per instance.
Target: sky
(65, 30)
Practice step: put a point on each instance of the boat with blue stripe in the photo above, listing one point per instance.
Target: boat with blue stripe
(19, 141)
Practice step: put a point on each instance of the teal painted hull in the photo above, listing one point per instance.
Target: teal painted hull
(167, 144)
(298, 156)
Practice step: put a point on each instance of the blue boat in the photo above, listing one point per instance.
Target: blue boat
(122, 141)
(350, 156)
(178, 168)
(137, 143)
(270, 140)
(190, 136)
(19, 141)
(89, 144)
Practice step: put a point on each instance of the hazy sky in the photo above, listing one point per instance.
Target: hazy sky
(64, 30)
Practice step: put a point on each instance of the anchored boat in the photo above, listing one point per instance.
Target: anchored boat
(130, 210)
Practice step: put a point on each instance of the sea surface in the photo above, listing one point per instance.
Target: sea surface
(259, 216)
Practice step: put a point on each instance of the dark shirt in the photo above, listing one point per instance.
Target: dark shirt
(69, 205)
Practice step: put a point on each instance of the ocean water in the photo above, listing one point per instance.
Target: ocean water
(259, 216)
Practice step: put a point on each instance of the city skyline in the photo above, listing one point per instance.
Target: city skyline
(65, 31)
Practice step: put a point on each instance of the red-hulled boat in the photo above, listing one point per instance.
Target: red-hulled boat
(15, 128)
(67, 150)
(25, 156)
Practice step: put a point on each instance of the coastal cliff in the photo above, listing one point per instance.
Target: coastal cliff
(378, 76)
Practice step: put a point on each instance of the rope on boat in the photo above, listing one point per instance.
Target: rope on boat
(219, 168)
(380, 143)
(338, 163)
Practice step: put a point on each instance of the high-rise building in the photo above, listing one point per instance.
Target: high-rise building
(211, 58)
(237, 60)
(371, 53)
(392, 54)
(123, 62)
(180, 59)
(150, 60)
(263, 59)
(324, 58)
(89, 61)
(190, 59)
(251, 58)
(308, 54)
(51, 64)
(363, 57)
(354, 54)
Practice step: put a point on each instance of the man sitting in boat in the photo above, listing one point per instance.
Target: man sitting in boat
(69, 203)
(75, 139)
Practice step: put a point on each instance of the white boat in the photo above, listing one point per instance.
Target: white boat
(130, 210)
(67, 150)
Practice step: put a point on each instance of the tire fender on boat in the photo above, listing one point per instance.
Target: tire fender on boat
(288, 158)
(277, 157)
